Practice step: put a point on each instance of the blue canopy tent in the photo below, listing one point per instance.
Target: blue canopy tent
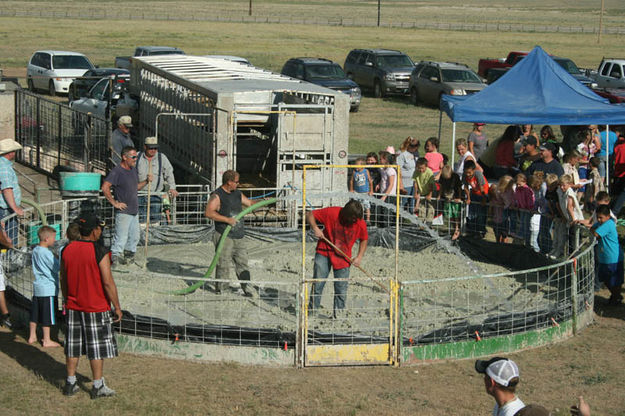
(535, 91)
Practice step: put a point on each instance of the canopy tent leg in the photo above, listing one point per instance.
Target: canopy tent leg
(453, 142)
(607, 158)
(440, 123)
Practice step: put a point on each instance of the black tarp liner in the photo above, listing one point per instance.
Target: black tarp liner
(412, 238)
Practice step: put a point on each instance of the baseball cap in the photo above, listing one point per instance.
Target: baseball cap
(125, 120)
(548, 146)
(531, 140)
(479, 124)
(499, 369)
(151, 141)
(87, 222)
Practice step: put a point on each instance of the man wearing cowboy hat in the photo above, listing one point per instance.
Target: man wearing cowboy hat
(10, 192)
(121, 138)
(154, 162)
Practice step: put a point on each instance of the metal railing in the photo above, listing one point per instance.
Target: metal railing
(53, 134)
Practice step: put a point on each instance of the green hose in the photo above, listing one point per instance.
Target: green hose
(220, 245)
(42, 216)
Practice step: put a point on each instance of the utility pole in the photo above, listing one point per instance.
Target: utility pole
(600, 22)
(250, 12)
(379, 12)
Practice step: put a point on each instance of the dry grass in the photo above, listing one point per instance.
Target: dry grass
(590, 364)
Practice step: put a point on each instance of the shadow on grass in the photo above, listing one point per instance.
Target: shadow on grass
(38, 362)
(602, 308)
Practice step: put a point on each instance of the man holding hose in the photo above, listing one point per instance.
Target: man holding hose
(223, 206)
(342, 227)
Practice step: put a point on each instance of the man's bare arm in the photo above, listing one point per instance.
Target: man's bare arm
(108, 284)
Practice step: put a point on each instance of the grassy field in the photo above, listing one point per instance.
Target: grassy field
(591, 364)
(379, 122)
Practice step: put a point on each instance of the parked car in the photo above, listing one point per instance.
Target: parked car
(81, 86)
(230, 58)
(54, 71)
(124, 61)
(615, 95)
(326, 73)
(486, 64)
(383, 71)
(430, 80)
(102, 103)
(610, 74)
(567, 64)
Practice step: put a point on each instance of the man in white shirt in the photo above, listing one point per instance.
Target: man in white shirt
(500, 379)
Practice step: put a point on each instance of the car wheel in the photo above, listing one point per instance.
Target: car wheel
(414, 96)
(31, 85)
(71, 96)
(377, 89)
(51, 89)
(350, 76)
(354, 109)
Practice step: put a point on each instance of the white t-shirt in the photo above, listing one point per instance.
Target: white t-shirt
(386, 173)
(509, 409)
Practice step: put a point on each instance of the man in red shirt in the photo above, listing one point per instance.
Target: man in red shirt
(342, 227)
(88, 289)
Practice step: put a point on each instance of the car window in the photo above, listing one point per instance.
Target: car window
(460, 75)
(288, 69)
(363, 58)
(44, 60)
(71, 62)
(569, 66)
(352, 57)
(299, 70)
(616, 72)
(100, 90)
(324, 72)
(606, 69)
(393, 61)
(429, 72)
(35, 59)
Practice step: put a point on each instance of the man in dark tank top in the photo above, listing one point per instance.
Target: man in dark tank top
(223, 206)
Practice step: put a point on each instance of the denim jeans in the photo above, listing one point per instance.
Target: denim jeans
(476, 220)
(544, 234)
(155, 209)
(11, 225)
(407, 200)
(321, 270)
(126, 233)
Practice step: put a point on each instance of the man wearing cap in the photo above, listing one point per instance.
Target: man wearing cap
(547, 164)
(530, 153)
(154, 162)
(11, 194)
(123, 181)
(501, 377)
(121, 138)
(88, 290)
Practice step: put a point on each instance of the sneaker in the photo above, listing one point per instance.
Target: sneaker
(103, 391)
(129, 256)
(249, 291)
(6, 321)
(70, 388)
(117, 259)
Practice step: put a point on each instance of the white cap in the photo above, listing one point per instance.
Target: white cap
(125, 120)
(499, 369)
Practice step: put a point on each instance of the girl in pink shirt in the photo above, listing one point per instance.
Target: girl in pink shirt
(435, 159)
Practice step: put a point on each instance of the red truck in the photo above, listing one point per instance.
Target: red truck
(489, 63)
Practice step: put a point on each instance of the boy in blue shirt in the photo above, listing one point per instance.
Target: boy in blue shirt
(45, 287)
(609, 271)
(362, 183)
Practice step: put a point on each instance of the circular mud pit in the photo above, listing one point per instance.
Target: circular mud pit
(276, 270)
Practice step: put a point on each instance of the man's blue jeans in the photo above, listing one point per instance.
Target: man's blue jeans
(321, 271)
(11, 225)
(126, 233)
(155, 209)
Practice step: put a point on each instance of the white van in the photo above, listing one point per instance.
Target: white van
(54, 71)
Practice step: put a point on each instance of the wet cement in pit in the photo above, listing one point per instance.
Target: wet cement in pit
(276, 273)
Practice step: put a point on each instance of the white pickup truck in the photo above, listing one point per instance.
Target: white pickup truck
(610, 74)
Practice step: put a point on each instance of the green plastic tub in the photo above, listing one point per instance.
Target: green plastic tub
(80, 181)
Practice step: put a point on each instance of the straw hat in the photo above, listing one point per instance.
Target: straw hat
(8, 146)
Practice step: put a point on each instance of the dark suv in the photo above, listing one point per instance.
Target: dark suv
(326, 73)
(382, 70)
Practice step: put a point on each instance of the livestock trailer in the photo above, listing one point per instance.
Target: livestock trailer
(213, 114)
